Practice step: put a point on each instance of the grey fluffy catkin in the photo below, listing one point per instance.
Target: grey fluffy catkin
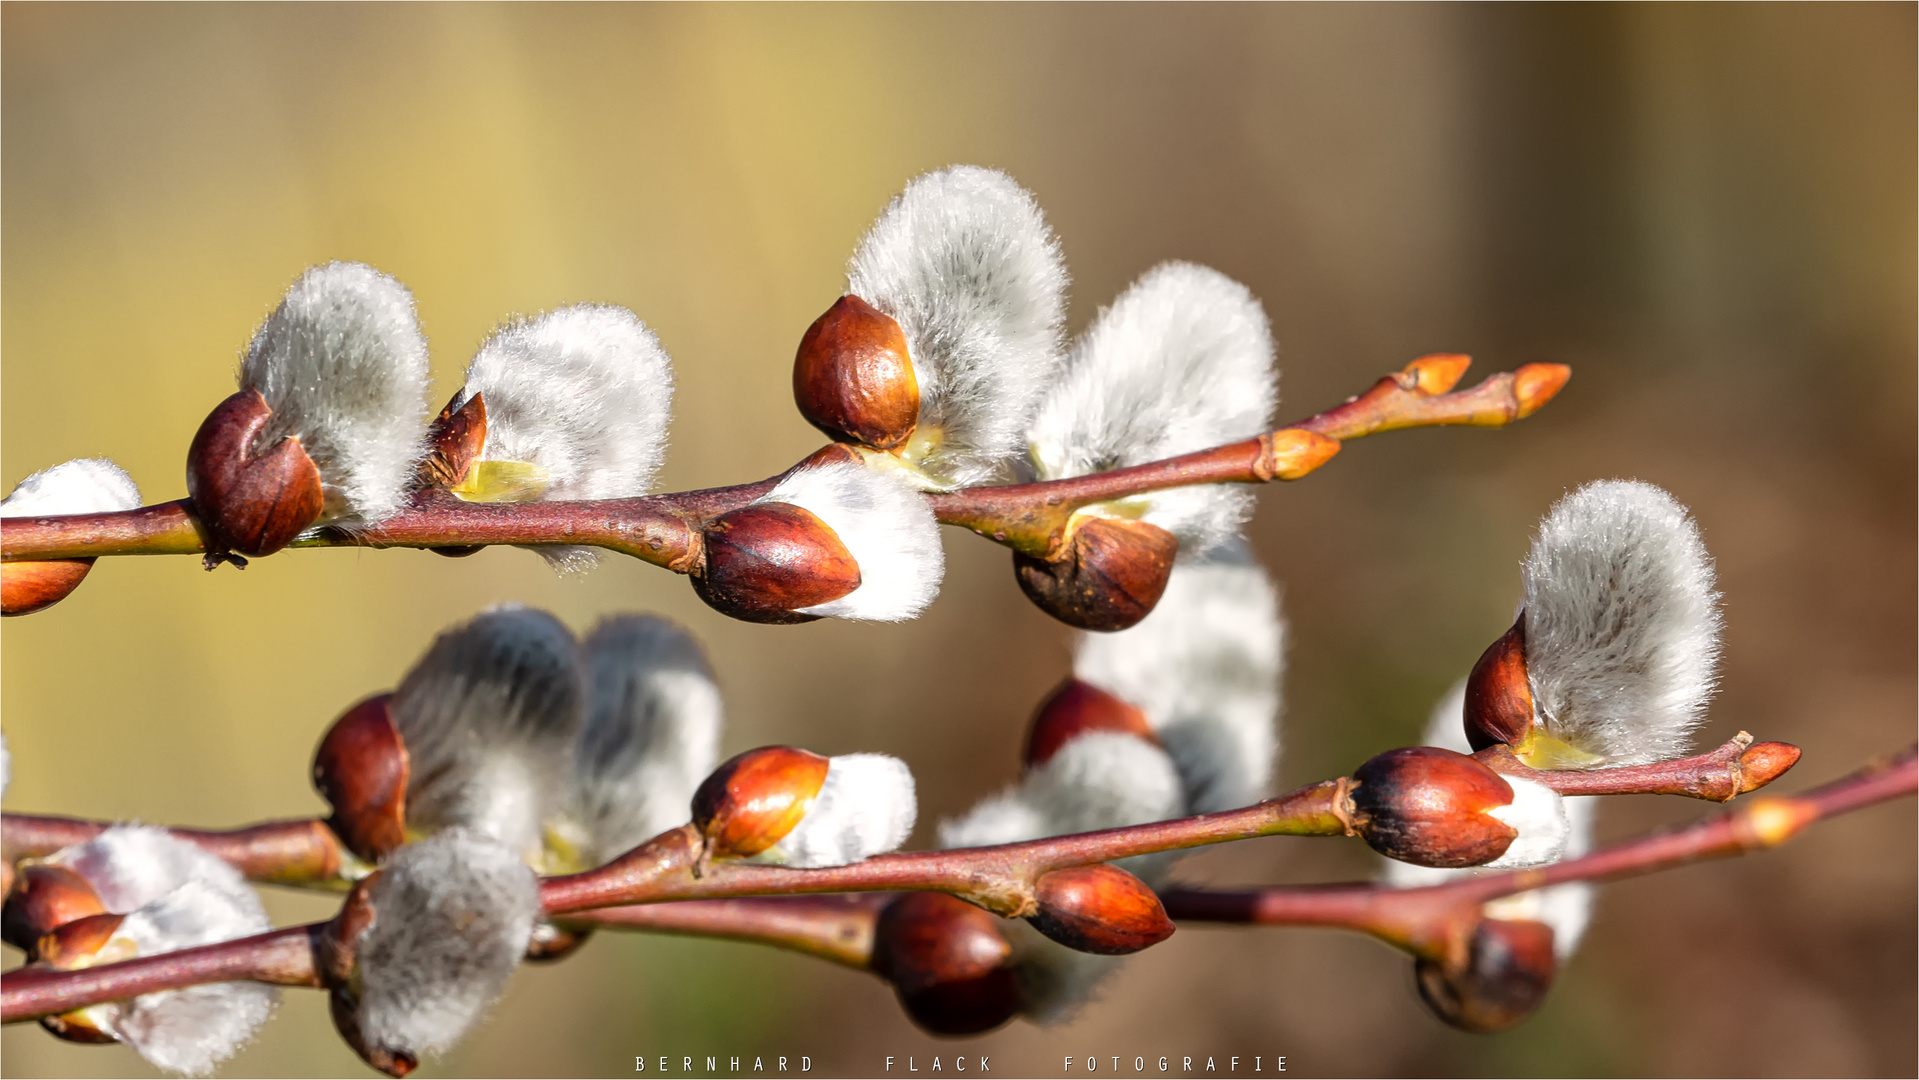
(1621, 622)
(343, 365)
(490, 715)
(452, 917)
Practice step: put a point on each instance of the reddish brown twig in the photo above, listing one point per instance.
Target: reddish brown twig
(1721, 775)
(1436, 922)
(835, 928)
(296, 852)
(662, 529)
(1424, 921)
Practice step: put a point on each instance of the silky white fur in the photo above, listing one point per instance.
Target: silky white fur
(174, 896)
(1205, 668)
(490, 715)
(1182, 361)
(1622, 623)
(865, 807)
(886, 526)
(652, 732)
(343, 365)
(1538, 814)
(964, 261)
(452, 917)
(1566, 908)
(80, 486)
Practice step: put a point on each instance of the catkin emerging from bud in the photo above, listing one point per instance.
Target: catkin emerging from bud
(80, 486)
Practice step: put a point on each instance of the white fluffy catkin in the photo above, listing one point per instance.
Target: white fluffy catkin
(1205, 668)
(652, 732)
(343, 365)
(964, 261)
(886, 526)
(1621, 622)
(1565, 908)
(174, 896)
(451, 918)
(1182, 361)
(490, 715)
(865, 807)
(80, 486)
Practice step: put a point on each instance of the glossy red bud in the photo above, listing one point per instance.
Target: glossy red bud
(43, 898)
(754, 799)
(78, 943)
(1509, 967)
(27, 587)
(1075, 709)
(1499, 699)
(949, 963)
(454, 442)
(361, 768)
(1429, 806)
(1100, 909)
(765, 561)
(853, 378)
(1109, 576)
(254, 500)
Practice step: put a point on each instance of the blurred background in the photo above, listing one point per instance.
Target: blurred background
(1707, 210)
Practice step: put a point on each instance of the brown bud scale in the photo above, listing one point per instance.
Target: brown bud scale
(767, 560)
(1499, 699)
(27, 587)
(754, 799)
(1100, 909)
(454, 441)
(361, 768)
(1427, 806)
(254, 503)
(1075, 709)
(78, 943)
(1109, 576)
(949, 963)
(43, 898)
(853, 377)
(1509, 967)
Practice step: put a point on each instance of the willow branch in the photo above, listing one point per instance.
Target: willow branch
(285, 957)
(1435, 922)
(664, 529)
(297, 852)
(835, 928)
(1720, 775)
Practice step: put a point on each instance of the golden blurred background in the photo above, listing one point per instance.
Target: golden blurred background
(1707, 210)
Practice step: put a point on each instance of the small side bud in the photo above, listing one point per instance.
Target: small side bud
(949, 963)
(27, 587)
(454, 442)
(550, 943)
(361, 769)
(1509, 967)
(1109, 576)
(1100, 909)
(766, 561)
(255, 500)
(1432, 807)
(1536, 384)
(853, 378)
(1499, 700)
(45, 897)
(754, 799)
(1434, 374)
(1075, 709)
(78, 942)
(1762, 763)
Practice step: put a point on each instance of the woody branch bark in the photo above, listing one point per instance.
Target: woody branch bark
(663, 529)
(1428, 922)
(308, 853)
(1436, 922)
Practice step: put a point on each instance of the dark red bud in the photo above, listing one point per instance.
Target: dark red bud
(766, 561)
(454, 440)
(77, 943)
(1100, 909)
(1509, 967)
(255, 501)
(45, 897)
(361, 769)
(1109, 576)
(26, 587)
(550, 943)
(1429, 806)
(1499, 699)
(74, 1027)
(1075, 709)
(853, 379)
(949, 963)
(753, 800)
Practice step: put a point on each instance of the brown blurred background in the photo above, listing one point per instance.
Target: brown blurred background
(1707, 211)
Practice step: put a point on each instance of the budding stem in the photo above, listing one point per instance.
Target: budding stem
(298, 852)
